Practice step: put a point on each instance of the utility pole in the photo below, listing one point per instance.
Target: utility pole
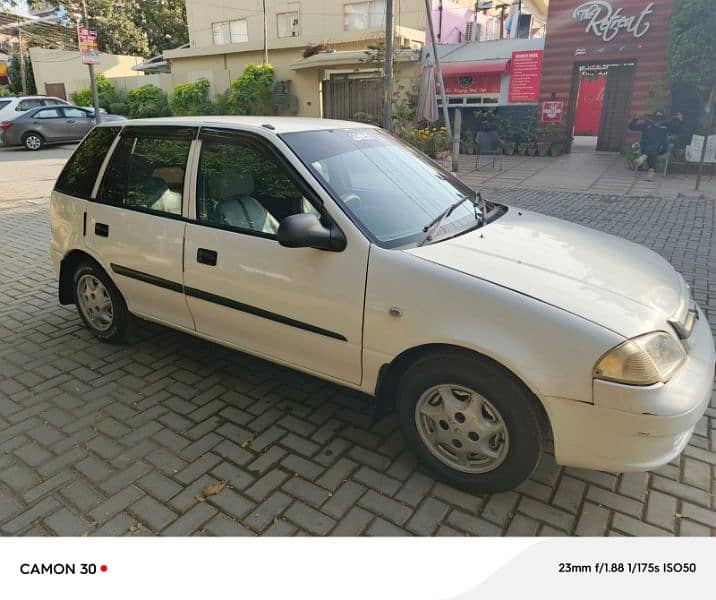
(388, 68)
(443, 97)
(93, 78)
(23, 74)
(709, 121)
(266, 60)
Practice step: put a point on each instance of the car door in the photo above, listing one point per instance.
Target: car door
(78, 122)
(135, 224)
(299, 306)
(50, 123)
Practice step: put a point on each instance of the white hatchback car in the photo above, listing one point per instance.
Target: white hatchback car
(14, 106)
(333, 248)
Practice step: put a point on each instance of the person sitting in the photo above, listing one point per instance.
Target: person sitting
(653, 140)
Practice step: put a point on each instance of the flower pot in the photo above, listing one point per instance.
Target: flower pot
(543, 148)
(440, 155)
(556, 149)
(531, 150)
(522, 150)
(509, 149)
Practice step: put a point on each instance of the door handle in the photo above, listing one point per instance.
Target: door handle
(206, 257)
(70, 120)
(101, 229)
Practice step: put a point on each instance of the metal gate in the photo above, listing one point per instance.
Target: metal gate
(615, 110)
(345, 96)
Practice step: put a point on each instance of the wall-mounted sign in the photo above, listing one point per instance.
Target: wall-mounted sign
(4, 80)
(470, 85)
(605, 22)
(552, 111)
(525, 71)
(87, 40)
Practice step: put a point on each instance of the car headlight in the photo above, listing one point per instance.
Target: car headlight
(643, 360)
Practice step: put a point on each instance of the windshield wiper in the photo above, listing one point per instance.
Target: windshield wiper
(431, 228)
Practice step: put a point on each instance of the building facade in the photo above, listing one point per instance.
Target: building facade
(603, 62)
(227, 35)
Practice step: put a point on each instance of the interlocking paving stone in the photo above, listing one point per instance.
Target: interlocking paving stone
(92, 435)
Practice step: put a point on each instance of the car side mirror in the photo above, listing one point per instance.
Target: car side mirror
(305, 230)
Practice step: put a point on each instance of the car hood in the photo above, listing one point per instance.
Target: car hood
(620, 285)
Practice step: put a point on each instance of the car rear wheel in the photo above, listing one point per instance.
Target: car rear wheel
(33, 141)
(100, 304)
(470, 422)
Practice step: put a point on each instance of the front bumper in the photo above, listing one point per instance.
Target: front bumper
(632, 428)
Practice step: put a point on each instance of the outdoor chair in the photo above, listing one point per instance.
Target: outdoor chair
(488, 143)
(664, 156)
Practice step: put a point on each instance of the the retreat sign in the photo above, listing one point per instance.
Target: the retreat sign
(606, 22)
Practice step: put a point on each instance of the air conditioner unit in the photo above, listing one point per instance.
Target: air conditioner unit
(472, 31)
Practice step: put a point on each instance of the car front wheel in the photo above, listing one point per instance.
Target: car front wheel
(32, 141)
(470, 422)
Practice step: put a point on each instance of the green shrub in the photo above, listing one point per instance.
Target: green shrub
(5, 91)
(148, 101)
(252, 93)
(119, 108)
(191, 99)
(81, 97)
(105, 91)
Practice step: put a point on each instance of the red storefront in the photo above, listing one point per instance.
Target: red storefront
(603, 59)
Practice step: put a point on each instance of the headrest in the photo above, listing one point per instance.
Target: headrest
(235, 184)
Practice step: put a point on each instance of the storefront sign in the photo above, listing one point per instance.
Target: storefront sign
(606, 23)
(552, 111)
(470, 85)
(3, 73)
(524, 75)
(87, 40)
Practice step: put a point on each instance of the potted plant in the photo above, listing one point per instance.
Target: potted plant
(545, 138)
(467, 142)
(509, 147)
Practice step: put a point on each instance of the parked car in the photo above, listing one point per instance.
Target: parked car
(39, 127)
(12, 107)
(332, 248)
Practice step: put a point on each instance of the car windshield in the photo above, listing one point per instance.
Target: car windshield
(391, 190)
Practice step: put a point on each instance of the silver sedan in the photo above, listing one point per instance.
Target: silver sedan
(49, 125)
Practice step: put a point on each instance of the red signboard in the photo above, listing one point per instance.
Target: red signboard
(464, 85)
(524, 75)
(87, 40)
(552, 111)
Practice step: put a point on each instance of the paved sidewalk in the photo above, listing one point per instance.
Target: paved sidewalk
(583, 170)
(120, 440)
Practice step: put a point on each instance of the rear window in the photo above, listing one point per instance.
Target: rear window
(79, 175)
(4, 103)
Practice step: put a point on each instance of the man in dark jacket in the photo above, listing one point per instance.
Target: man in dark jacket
(654, 139)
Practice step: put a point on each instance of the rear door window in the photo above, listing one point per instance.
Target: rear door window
(48, 113)
(147, 172)
(4, 103)
(80, 173)
(28, 104)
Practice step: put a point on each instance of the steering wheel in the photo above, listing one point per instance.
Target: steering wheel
(351, 197)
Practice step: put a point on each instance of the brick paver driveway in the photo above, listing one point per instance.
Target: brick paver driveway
(120, 440)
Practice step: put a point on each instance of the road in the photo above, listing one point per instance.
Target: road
(121, 440)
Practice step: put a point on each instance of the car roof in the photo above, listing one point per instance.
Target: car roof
(276, 125)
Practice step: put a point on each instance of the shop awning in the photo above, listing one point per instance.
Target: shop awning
(476, 67)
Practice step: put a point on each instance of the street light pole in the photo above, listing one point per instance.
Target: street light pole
(388, 68)
(93, 78)
(23, 74)
(266, 60)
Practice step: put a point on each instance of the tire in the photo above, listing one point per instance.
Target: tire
(93, 291)
(33, 141)
(487, 430)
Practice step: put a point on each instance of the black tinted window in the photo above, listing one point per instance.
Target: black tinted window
(146, 173)
(79, 175)
(4, 103)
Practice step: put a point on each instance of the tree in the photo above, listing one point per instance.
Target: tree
(693, 44)
(14, 79)
(692, 49)
(139, 27)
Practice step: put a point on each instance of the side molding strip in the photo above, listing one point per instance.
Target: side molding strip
(214, 299)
